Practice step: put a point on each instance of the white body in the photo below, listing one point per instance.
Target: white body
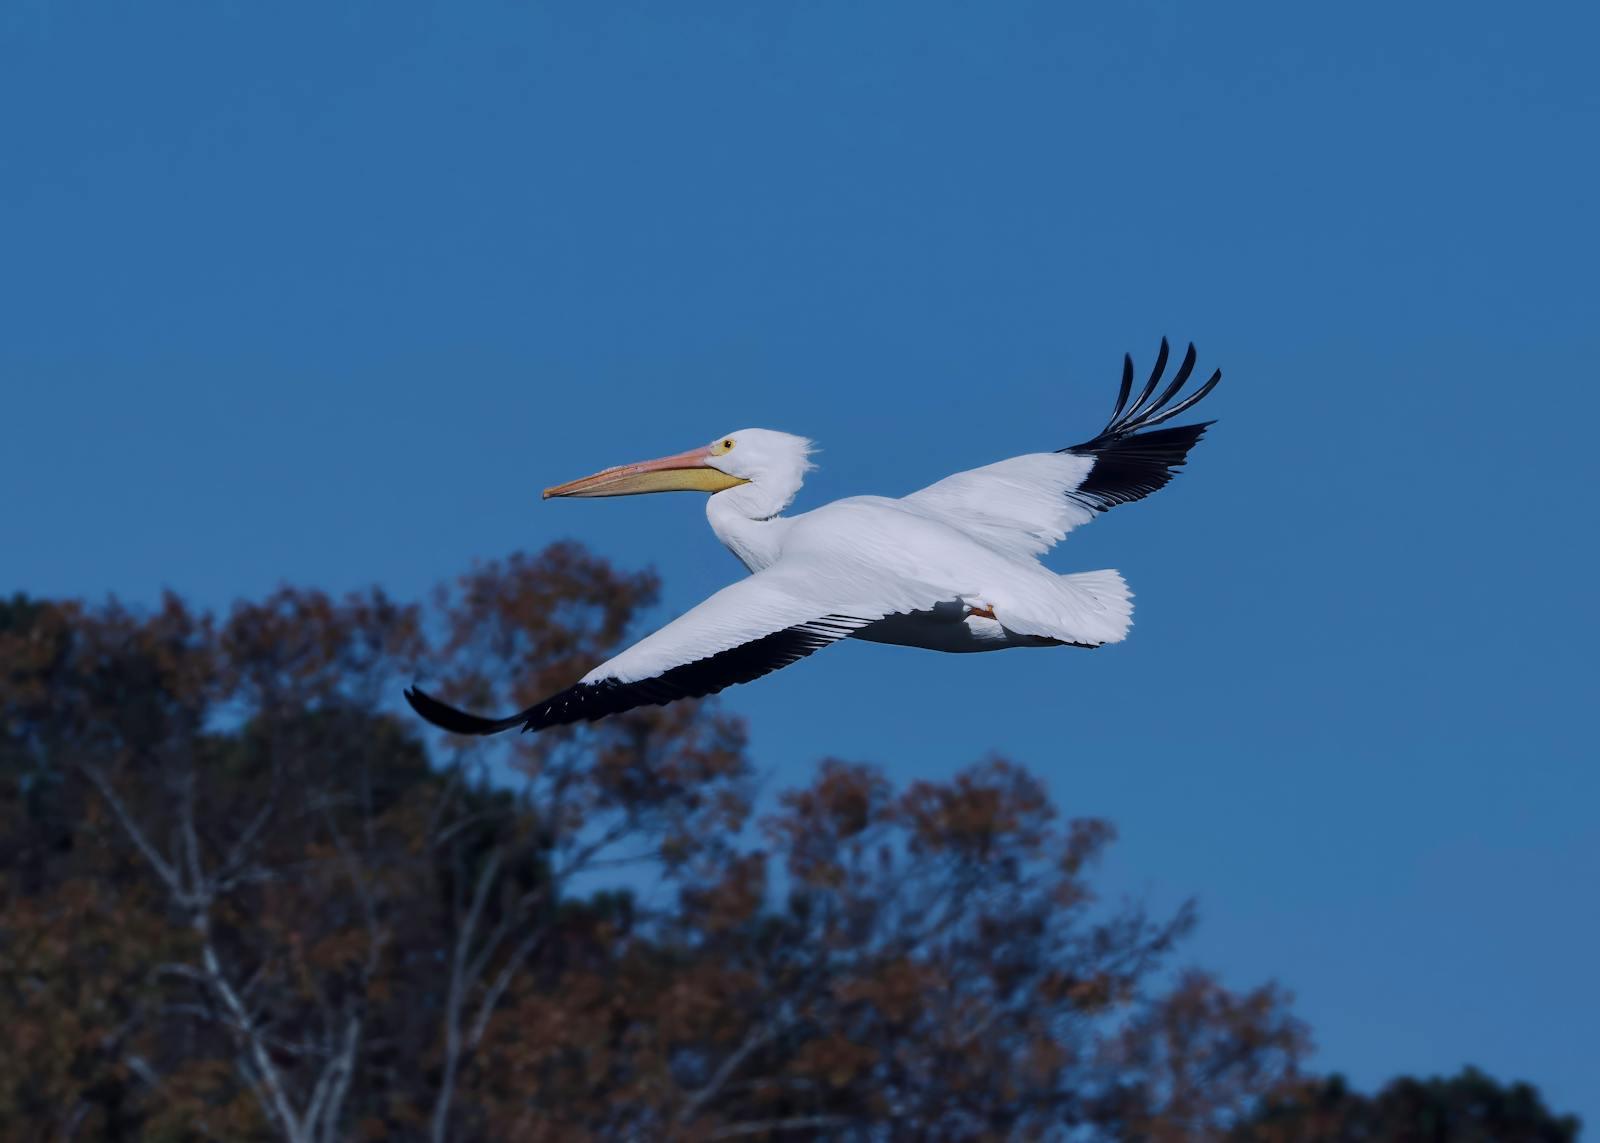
(912, 571)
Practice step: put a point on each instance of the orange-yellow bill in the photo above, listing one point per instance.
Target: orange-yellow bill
(683, 472)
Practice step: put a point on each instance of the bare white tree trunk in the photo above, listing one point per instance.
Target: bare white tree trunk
(194, 890)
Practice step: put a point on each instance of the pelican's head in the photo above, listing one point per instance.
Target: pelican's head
(773, 462)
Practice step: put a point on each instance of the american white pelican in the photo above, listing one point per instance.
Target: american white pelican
(952, 567)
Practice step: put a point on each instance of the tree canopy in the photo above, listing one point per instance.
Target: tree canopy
(245, 898)
(1466, 1108)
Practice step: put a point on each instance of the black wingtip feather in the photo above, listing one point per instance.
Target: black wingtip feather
(696, 679)
(1187, 403)
(1184, 369)
(1127, 387)
(586, 702)
(1132, 458)
(1132, 415)
(447, 717)
(1134, 467)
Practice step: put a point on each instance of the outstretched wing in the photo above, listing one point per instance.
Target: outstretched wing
(751, 628)
(1025, 505)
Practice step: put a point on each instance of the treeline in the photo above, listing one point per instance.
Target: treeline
(244, 898)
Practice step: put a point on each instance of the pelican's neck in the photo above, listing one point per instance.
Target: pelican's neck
(756, 537)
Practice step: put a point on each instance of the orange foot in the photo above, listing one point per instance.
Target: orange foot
(982, 612)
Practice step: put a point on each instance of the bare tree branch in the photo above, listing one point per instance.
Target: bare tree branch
(502, 980)
(322, 1113)
(456, 996)
(719, 1079)
(271, 1081)
(163, 869)
(346, 1066)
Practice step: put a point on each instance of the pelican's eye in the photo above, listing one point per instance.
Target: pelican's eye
(722, 446)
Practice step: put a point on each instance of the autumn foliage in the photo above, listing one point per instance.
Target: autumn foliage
(246, 897)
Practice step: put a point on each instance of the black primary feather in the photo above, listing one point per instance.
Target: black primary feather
(1132, 457)
(447, 717)
(1150, 385)
(589, 701)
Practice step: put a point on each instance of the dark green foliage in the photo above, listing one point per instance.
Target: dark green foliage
(1466, 1108)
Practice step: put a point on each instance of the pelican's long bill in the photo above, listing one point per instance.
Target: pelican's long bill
(685, 472)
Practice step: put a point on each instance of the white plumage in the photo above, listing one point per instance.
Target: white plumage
(951, 567)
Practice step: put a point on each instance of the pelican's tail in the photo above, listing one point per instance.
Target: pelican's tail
(1098, 606)
(1085, 609)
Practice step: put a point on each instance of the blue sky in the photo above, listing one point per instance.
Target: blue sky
(281, 281)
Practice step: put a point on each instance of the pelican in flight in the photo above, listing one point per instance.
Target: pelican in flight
(951, 567)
